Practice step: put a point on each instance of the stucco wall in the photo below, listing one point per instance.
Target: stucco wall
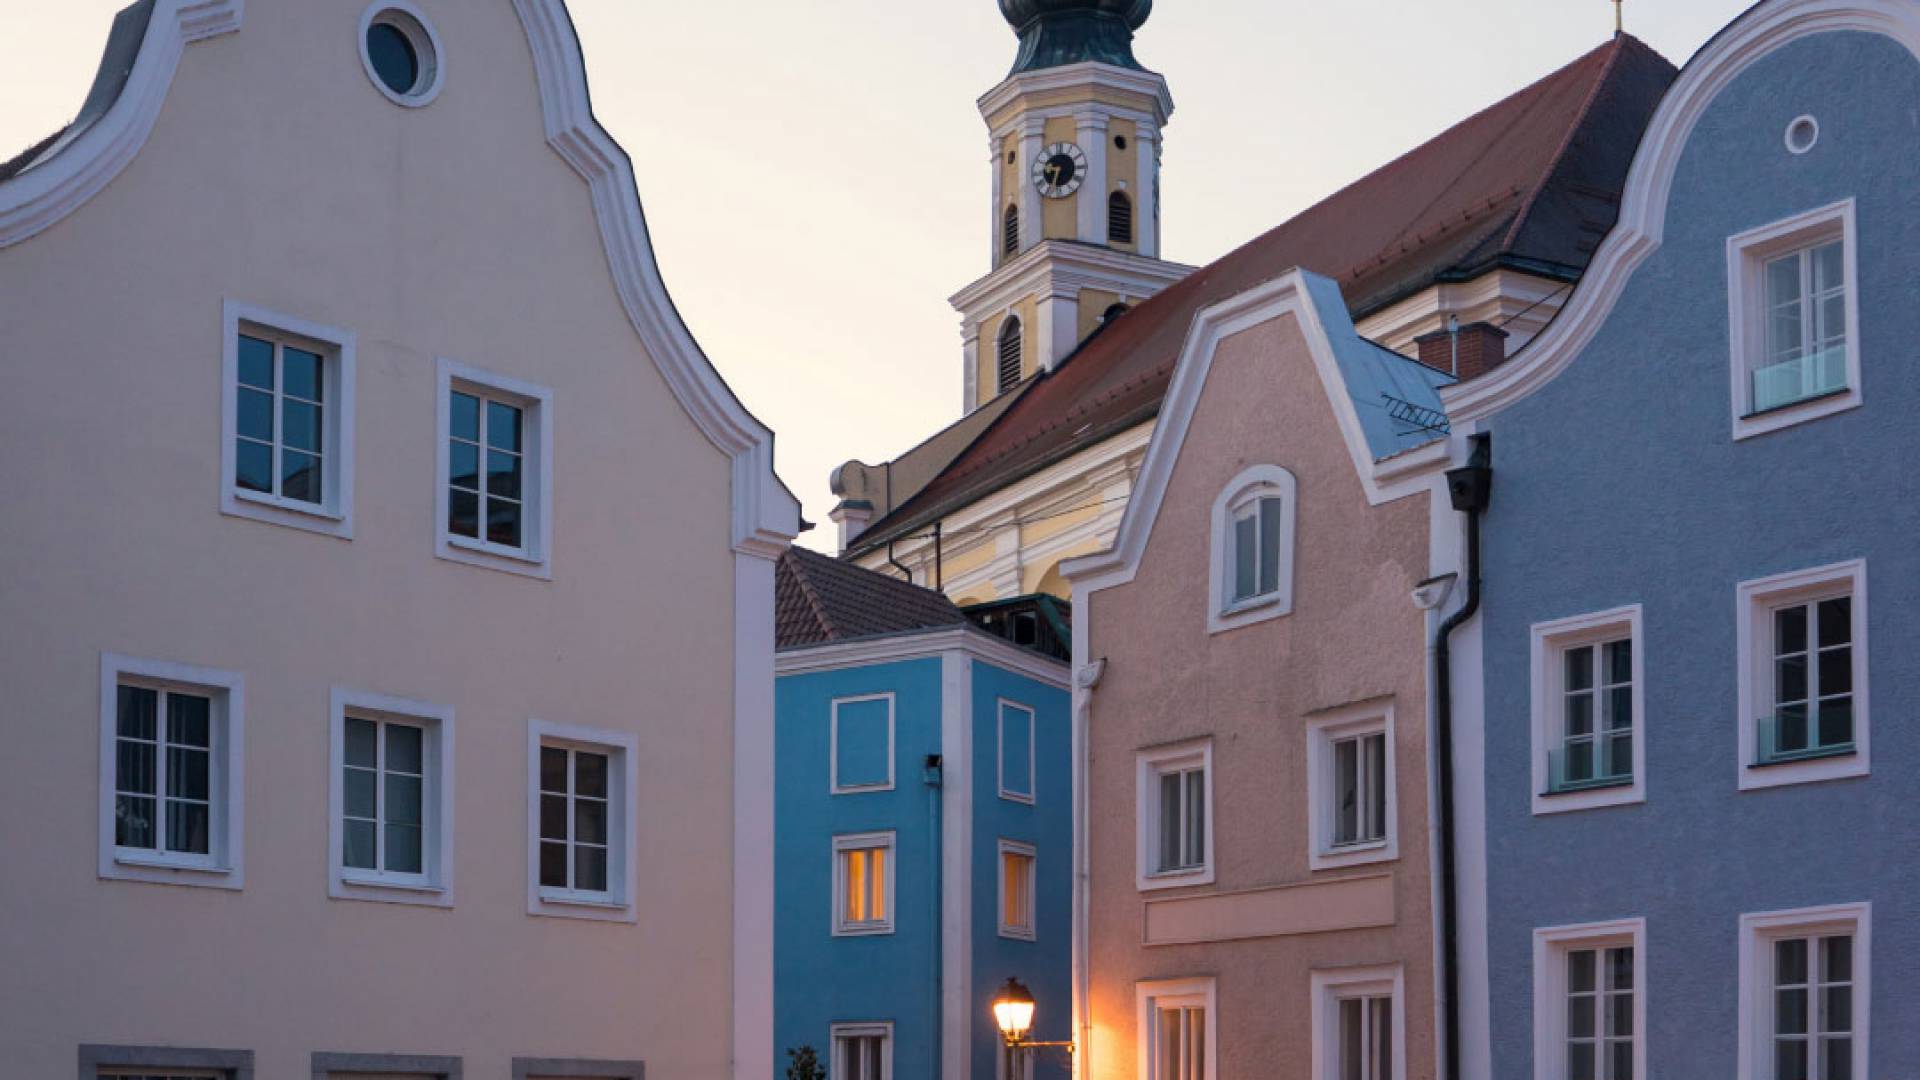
(277, 175)
(821, 979)
(1620, 483)
(1353, 636)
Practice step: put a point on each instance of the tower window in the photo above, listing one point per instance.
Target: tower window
(1119, 218)
(1119, 142)
(1010, 230)
(1009, 346)
(1113, 312)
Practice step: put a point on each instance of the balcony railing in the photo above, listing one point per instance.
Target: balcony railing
(1583, 768)
(1821, 733)
(1810, 376)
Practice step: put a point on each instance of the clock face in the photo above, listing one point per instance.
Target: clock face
(1059, 170)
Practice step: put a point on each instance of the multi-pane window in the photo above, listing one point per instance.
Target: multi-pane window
(862, 1052)
(486, 469)
(1812, 681)
(1812, 1029)
(1016, 890)
(1182, 819)
(575, 796)
(280, 420)
(1360, 789)
(1596, 716)
(383, 796)
(1600, 1013)
(1366, 1038)
(1805, 354)
(1256, 539)
(863, 884)
(1180, 1041)
(164, 771)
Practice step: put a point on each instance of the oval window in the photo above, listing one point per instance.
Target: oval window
(401, 53)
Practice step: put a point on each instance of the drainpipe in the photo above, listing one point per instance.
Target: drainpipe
(1453, 328)
(898, 565)
(932, 776)
(1470, 488)
(939, 572)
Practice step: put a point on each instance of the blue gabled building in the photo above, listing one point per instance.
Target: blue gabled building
(1692, 848)
(924, 828)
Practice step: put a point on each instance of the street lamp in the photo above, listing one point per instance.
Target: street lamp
(1013, 1012)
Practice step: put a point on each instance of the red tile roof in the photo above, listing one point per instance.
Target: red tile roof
(819, 599)
(1532, 182)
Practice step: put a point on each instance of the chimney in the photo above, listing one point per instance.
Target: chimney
(1471, 349)
(853, 516)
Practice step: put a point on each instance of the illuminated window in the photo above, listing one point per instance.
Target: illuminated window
(863, 884)
(1017, 884)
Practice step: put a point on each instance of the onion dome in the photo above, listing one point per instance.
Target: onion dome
(1054, 33)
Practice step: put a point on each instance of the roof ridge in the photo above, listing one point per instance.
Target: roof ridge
(1617, 48)
(814, 603)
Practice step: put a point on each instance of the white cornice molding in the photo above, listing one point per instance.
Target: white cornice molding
(1383, 481)
(1056, 265)
(920, 644)
(1643, 209)
(765, 515)
(73, 172)
(1147, 84)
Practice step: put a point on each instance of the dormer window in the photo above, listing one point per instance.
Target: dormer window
(1253, 524)
(1009, 354)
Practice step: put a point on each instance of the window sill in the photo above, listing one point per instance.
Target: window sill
(463, 549)
(398, 885)
(1805, 410)
(1014, 933)
(274, 510)
(863, 930)
(563, 904)
(1800, 756)
(861, 789)
(1341, 856)
(125, 865)
(389, 890)
(1016, 797)
(1252, 603)
(1582, 786)
(161, 862)
(1175, 879)
(1797, 403)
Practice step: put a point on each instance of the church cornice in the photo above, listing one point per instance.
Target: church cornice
(1089, 73)
(1062, 267)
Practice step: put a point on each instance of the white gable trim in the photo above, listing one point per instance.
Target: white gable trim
(1383, 481)
(1643, 208)
(765, 514)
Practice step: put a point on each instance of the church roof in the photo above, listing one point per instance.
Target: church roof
(819, 599)
(1532, 183)
(1054, 33)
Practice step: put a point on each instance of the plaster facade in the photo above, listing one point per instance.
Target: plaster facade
(277, 175)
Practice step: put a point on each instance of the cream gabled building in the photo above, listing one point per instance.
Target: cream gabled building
(1457, 253)
(366, 717)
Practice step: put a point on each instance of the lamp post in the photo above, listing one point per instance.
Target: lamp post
(1013, 1012)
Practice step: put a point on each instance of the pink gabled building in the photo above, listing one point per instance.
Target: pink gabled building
(1258, 897)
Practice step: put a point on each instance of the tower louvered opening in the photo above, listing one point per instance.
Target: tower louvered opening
(1010, 238)
(1119, 218)
(1009, 373)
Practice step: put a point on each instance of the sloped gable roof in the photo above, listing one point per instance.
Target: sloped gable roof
(1532, 181)
(819, 599)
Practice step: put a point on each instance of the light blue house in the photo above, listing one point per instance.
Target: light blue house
(1693, 846)
(924, 836)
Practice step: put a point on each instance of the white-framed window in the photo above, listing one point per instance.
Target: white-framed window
(1351, 801)
(1589, 739)
(1589, 1002)
(1018, 890)
(862, 1051)
(1359, 1026)
(1805, 993)
(390, 799)
(103, 1062)
(863, 894)
(1018, 732)
(1803, 676)
(1177, 1031)
(1795, 316)
(286, 441)
(861, 744)
(1174, 796)
(581, 821)
(494, 496)
(1252, 564)
(171, 773)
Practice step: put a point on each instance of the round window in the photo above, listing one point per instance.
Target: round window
(1802, 134)
(401, 53)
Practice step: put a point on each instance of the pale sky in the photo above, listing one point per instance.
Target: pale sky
(815, 172)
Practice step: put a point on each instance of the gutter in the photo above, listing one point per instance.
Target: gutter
(1471, 489)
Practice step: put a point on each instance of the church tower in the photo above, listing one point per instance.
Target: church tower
(1074, 151)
